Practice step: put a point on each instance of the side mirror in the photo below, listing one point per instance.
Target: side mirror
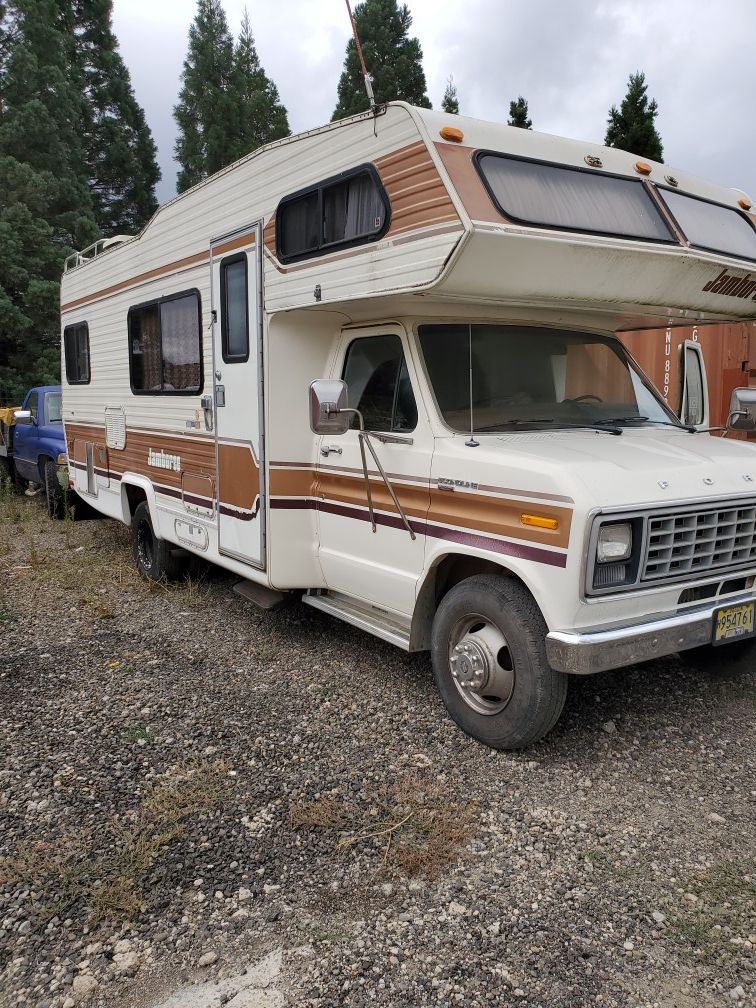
(23, 417)
(742, 416)
(328, 398)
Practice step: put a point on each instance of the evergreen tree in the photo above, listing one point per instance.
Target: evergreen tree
(393, 60)
(118, 147)
(260, 116)
(45, 206)
(450, 101)
(205, 113)
(518, 114)
(632, 127)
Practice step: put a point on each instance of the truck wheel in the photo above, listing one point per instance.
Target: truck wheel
(153, 556)
(489, 663)
(740, 656)
(55, 495)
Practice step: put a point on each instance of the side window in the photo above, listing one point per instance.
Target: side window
(234, 309)
(352, 209)
(33, 405)
(379, 385)
(693, 410)
(76, 352)
(165, 346)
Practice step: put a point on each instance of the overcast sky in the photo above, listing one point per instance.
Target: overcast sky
(569, 58)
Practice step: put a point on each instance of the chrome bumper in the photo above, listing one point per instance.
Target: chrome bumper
(597, 651)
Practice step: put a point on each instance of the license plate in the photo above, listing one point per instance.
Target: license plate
(734, 623)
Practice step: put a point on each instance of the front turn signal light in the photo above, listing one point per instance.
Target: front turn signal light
(539, 521)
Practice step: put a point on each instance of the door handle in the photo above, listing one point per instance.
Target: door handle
(326, 450)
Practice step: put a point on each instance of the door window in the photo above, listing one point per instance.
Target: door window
(694, 387)
(33, 405)
(235, 320)
(376, 375)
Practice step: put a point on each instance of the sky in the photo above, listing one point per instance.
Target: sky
(570, 59)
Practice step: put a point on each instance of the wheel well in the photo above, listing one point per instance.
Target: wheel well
(134, 497)
(41, 463)
(452, 569)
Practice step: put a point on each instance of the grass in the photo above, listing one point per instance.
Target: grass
(419, 830)
(71, 874)
(725, 908)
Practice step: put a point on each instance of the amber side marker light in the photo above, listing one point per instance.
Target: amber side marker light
(642, 168)
(451, 133)
(538, 521)
(745, 203)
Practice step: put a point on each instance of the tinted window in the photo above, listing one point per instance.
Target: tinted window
(571, 199)
(235, 320)
(33, 405)
(342, 211)
(54, 407)
(76, 353)
(711, 226)
(165, 349)
(694, 405)
(379, 385)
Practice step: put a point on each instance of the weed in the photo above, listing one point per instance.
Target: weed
(417, 830)
(8, 616)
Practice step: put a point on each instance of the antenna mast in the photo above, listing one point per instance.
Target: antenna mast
(365, 74)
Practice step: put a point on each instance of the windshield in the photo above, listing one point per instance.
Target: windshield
(533, 377)
(54, 407)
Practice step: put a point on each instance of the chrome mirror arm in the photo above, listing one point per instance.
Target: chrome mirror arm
(363, 437)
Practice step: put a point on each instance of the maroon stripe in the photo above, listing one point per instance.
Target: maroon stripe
(473, 539)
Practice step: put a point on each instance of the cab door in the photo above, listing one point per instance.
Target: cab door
(235, 264)
(383, 565)
(26, 440)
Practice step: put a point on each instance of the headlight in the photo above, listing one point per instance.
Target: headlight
(615, 543)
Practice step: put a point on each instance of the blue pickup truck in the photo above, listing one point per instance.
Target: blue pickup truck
(32, 444)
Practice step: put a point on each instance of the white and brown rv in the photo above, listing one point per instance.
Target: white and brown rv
(376, 364)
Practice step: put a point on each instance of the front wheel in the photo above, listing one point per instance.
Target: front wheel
(55, 495)
(489, 663)
(155, 558)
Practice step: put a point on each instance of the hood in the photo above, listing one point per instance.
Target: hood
(640, 466)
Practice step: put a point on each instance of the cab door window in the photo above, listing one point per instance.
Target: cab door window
(376, 375)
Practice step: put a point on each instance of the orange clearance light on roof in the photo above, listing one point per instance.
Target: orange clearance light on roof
(745, 203)
(642, 168)
(452, 133)
(538, 521)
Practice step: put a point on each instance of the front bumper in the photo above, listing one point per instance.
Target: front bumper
(583, 653)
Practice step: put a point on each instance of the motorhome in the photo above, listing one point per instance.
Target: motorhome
(377, 365)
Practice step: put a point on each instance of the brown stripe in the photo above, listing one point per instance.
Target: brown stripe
(465, 179)
(235, 243)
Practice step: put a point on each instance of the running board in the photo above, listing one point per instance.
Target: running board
(375, 621)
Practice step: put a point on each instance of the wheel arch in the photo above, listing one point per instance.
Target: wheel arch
(134, 490)
(446, 571)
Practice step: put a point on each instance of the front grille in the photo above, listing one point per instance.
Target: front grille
(692, 541)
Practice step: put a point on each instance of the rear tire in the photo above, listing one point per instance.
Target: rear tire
(55, 495)
(489, 663)
(153, 557)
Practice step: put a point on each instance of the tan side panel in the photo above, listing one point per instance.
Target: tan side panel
(351, 490)
(415, 189)
(238, 476)
(292, 482)
(465, 179)
(499, 517)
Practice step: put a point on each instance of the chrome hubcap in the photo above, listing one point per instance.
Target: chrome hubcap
(481, 665)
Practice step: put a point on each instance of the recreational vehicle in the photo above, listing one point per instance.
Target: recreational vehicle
(377, 365)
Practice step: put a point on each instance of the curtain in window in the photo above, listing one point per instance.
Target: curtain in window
(179, 325)
(146, 366)
(364, 210)
(300, 226)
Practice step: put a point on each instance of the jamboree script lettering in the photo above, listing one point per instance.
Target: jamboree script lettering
(732, 286)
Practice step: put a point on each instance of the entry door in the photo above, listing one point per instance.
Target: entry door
(235, 263)
(381, 567)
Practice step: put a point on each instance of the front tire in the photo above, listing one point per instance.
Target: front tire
(153, 557)
(489, 663)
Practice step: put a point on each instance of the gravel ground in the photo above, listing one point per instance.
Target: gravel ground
(188, 785)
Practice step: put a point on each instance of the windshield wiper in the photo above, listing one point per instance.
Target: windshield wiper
(551, 420)
(645, 419)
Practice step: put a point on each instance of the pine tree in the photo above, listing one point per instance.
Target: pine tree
(450, 101)
(120, 153)
(205, 113)
(45, 207)
(260, 116)
(632, 127)
(518, 114)
(393, 60)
